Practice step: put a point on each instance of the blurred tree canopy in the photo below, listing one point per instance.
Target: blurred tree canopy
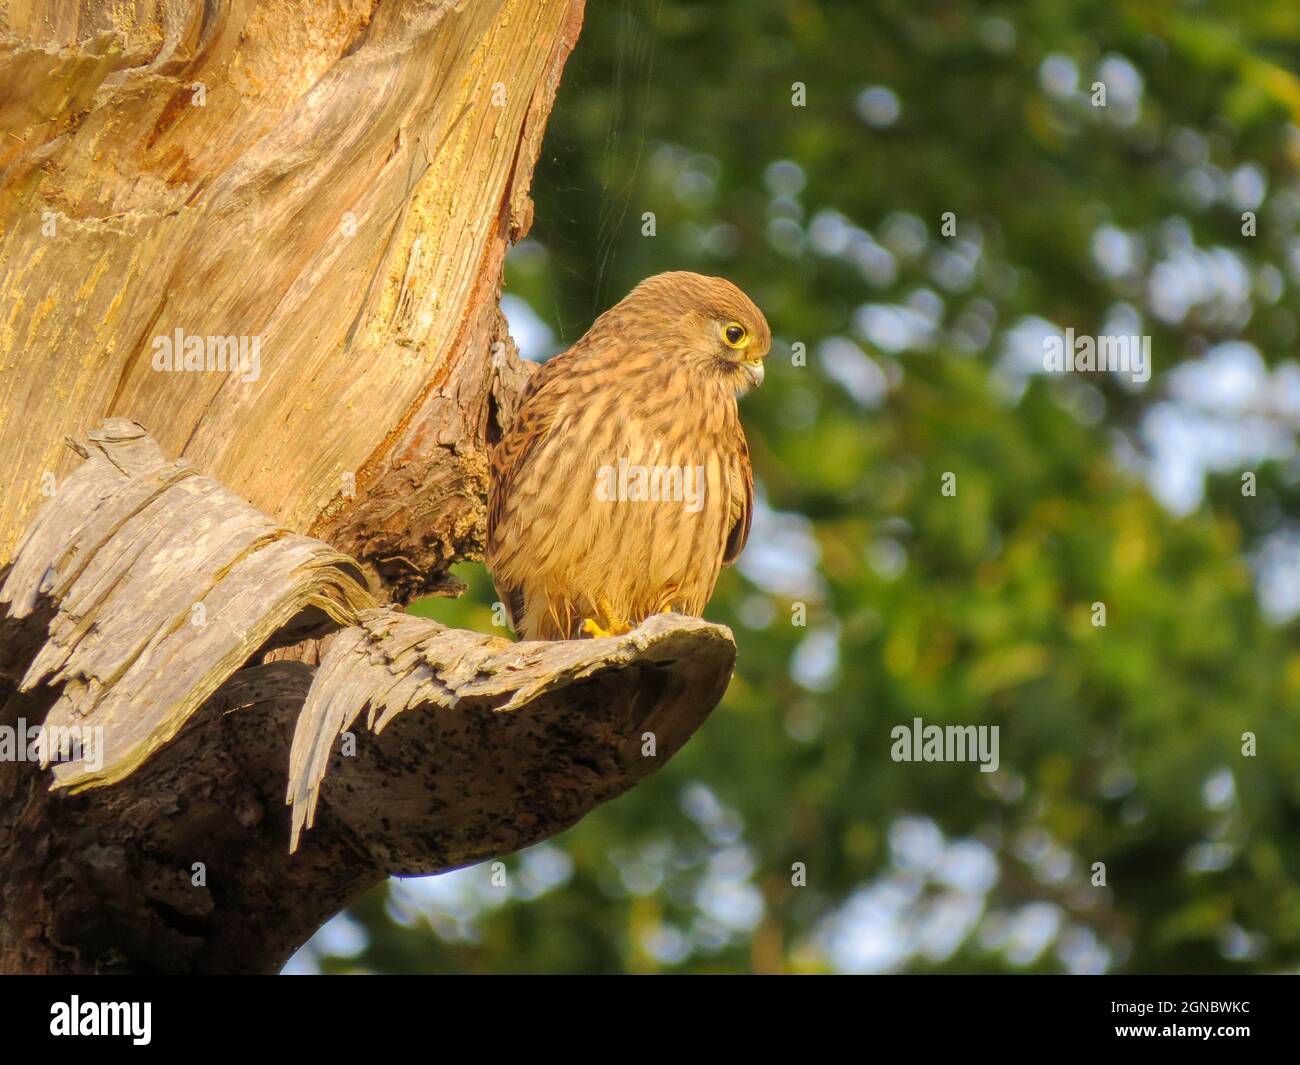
(962, 180)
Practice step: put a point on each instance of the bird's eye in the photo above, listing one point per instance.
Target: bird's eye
(735, 334)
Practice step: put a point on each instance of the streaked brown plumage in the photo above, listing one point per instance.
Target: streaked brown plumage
(653, 384)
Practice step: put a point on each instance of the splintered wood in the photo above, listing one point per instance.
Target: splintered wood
(165, 583)
(666, 676)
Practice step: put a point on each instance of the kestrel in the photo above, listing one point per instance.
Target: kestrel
(623, 485)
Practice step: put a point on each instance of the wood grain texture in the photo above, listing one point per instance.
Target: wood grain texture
(465, 684)
(163, 584)
(344, 194)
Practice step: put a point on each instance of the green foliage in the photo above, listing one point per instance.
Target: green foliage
(1120, 743)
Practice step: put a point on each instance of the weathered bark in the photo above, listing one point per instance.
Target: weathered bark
(578, 721)
(339, 179)
(164, 584)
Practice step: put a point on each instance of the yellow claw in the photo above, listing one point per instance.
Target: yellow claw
(594, 628)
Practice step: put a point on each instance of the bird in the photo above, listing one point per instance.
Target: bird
(623, 484)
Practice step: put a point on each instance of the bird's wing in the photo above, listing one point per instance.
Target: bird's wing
(532, 422)
(509, 461)
(742, 505)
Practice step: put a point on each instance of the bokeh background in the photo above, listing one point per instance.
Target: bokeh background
(1172, 212)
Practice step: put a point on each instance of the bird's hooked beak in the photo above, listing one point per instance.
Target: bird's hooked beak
(753, 371)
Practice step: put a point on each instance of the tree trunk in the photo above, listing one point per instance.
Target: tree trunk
(319, 196)
(332, 184)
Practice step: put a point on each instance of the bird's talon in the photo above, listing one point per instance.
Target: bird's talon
(595, 629)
